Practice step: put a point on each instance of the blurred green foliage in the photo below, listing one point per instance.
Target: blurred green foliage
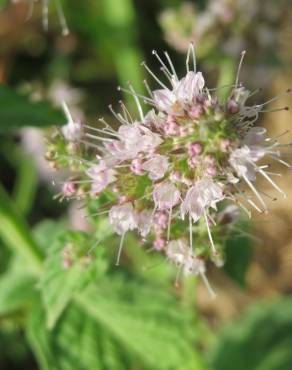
(17, 111)
(260, 340)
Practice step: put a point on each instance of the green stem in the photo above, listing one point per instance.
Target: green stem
(121, 20)
(15, 233)
(26, 184)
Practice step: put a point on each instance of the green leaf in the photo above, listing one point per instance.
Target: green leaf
(68, 269)
(144, 321)
(117, 325)
(239, 252)
(47, 231)
(17, 111)
(260, 340)
(16, 234)
(73, 344)
(17, 288)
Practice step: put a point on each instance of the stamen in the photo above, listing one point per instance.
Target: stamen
(137, 102)
(256, 193)
(92, 247)
(145, 98)
(288, 91)
(169, 222)
(174, 74)
(154, 52)
(209, 233)
(275, 110)
(120, 249)
(101, 131)
(239, 68)
(126, 112)
(254, 205)
(154, 76)
(282, 162)
(148, 88)
(191, 231)
(67, 112)
(191, 51)
(273, 184)
(99, 138)
(207, 284)
(90, 144)
(108, 126)
(167, 75)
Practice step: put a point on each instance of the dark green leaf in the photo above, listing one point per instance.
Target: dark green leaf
(239, 252)
(17, 111)
(260, 340)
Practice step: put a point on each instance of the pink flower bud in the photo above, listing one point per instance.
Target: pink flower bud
(171, 128)
(195, 148)
(209, 160)
(159, 244)
(232, 107)
(193, 162)
(197, 111)
(161, 219)
(69, 189)
(136, 166)
(175, 176)
(211, 171)
(225, 145)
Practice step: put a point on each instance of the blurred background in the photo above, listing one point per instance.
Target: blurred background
(250, 322)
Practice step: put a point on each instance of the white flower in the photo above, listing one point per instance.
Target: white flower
(157, 166)
(134, 138)
(202, 195)
(144, 220)
(149, 140)
(165, 195)
(179, 252)
(164, 99)
(254, 136)
(184, 91)
(189, 87)
(122, 218)
(102, 176)
(194, 265)
(242, 160)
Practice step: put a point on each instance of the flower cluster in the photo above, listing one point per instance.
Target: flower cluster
(177, 174)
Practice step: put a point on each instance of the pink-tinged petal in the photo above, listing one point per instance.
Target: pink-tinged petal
(156, 166)
(164, 99)
(166, 196)
(123, 218)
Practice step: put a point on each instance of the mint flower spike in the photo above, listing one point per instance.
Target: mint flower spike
(168, 170)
